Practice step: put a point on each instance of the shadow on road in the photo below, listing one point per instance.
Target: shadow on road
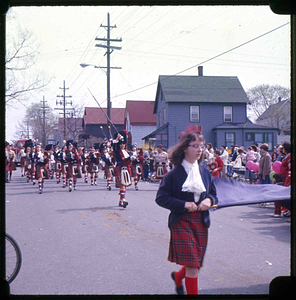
(93, 209)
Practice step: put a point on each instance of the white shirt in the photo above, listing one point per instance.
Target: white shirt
(193, 182)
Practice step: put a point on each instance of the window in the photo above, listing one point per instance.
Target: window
(194, 113)
(259, 137)
(159, 119)
(164, 116)
(268, 140)
(227, 113)
(249, 136)
(229, 139)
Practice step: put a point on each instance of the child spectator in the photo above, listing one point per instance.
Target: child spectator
(219, 162)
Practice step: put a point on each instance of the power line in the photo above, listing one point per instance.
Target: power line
(212, 58)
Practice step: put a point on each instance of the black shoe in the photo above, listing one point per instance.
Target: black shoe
(125, 204)
(179, 289)
(70, 190)
(64, 185)
(109, 188)
(120, 204)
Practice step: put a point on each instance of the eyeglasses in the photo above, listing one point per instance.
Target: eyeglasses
(202, 147)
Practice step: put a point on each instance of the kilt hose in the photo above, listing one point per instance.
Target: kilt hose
(117, 175)
(188, 242)
(107, 172)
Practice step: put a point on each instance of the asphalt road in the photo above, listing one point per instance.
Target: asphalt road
(83, 243)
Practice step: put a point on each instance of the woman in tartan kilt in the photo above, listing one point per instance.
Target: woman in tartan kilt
(73, 170)
(84, 161)
(33, 164)
(188, 192)
(42, 161)
(122, 160)
(63, 160)
(93, 165)
(107, 164)
(28, 163)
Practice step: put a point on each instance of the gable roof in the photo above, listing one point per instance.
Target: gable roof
(140, 112)
(247, 125)
(94, 115)
(276, 107)
(221, 89)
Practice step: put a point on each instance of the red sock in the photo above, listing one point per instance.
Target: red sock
(191, 285)
(179, 276)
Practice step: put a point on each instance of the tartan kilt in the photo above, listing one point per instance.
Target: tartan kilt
(134, 170)
(33, 168)
(90, 168)
(63, 168)
(12, 166)
(107, 171)
(188, 242)
(38, 172)
(165, 170)
(56, 167)
(22, 162)
(79, 171)
(6, 166)
(117, 175)
(84, 168)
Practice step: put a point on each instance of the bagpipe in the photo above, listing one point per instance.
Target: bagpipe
(125, 177)
(160, 169)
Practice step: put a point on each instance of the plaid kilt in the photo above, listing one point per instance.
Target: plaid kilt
(107, 171)
(22, 161)
(84, 168)
(90, 168)
(12, 166)
(117, 175)
(134, 170)
(6, 166)
(70, 173)
(189, 238)
(38, 172)
(56, 167)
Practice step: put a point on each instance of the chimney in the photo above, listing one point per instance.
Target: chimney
(200, 70)
(279, 99)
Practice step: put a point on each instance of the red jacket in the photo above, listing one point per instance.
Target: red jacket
(220, 165)
(284, 167)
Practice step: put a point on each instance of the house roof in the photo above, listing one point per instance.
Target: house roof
(94, 115)
(273, 108)
(226, 89)
(140, 112)
(156, 131)
(247, 125)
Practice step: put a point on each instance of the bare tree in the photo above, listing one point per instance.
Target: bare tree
(262, 96)
(21, 56)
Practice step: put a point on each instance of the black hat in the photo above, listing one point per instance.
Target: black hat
(49, 147)
(97, 146)
(69, 143)
(123, 138)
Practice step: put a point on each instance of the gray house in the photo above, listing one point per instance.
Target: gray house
(216, 103)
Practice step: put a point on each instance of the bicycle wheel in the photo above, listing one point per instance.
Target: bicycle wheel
(13, 258)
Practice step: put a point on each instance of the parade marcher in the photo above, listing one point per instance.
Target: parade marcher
(6, 161)
(93, 165)
(264, 165)
(161, 162)
(42, 161)
(122, 166)
(84, 164)
(51, 164)
(73, 170)
(22, 158)
(33, 164)
(64, 163)
(146, 165)
(188, 192)
(28, 163)
(58, 163)
(107, 164)
(11, 160)
(137, 160)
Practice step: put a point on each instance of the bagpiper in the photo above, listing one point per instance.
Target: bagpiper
(93, 165)
(22, 158)
(28, 163)
(73, 171)
(122, 166)
(107, 164)
(42, 161)
(63, 160)
(137, 159)
(161, 162)
(84, 164)
(33, 164)
(58, 163)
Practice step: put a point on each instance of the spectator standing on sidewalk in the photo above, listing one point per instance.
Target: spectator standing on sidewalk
(264, 165)
(217, 171)
(224, 157)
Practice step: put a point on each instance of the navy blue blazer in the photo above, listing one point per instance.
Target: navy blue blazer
(170, 193)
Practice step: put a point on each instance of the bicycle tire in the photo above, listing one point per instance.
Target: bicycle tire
(13, 258)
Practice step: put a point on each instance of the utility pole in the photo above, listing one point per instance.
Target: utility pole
(44, 107)
(110, 49)
(65, 109)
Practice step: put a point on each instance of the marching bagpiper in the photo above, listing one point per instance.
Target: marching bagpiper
(33, 164)
(161, 162)
(64, 164)
(73, 170)
(28, 163)
(51, 163)
(42, 161)
(22, 158)
(137, 159)
(107, 164)
(84, 163)
(93, 165)
(58, 163)
(122, 166)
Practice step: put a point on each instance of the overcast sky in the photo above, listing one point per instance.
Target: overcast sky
(155, 41)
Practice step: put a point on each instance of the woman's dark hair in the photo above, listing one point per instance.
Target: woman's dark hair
(240, 151)
(264, 147)
(278, 177)
(254, 148)
(287, 147)
(176, 154)
(217, 152)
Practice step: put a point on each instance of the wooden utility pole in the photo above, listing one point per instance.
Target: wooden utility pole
(110, 49)
(65, 109)
(44, 107)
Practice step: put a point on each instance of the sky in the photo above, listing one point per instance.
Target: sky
(157, 40)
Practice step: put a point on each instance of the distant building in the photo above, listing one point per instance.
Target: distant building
(139, 120)
(216, 103)
(278, 115)
(94, 119)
